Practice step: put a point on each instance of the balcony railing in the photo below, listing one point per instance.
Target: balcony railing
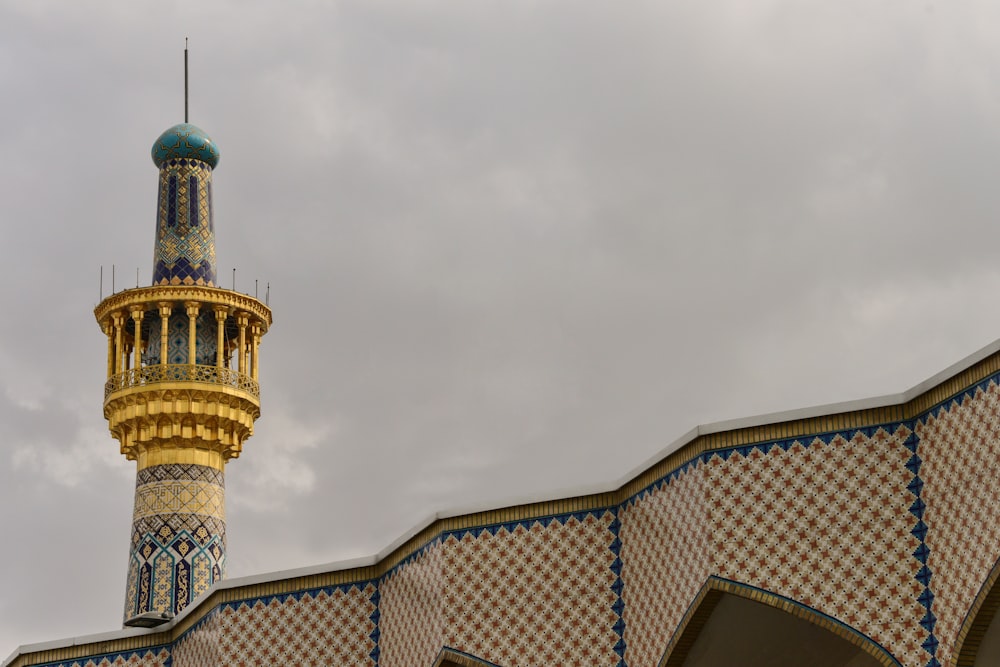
(160, 373)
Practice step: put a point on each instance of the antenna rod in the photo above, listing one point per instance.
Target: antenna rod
(185, 79)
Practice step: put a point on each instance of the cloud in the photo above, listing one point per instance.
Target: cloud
(273, 470)
(511, 247)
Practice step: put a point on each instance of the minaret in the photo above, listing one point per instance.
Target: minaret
(181, 394)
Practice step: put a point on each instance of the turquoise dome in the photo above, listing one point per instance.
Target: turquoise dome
(185, 141)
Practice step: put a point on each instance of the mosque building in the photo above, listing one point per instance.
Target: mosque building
(853, 535)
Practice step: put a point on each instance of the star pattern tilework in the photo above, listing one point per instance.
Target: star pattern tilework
(665, 561)
(828, 525)
(199, 646)
(533, 594)
(158, 657)
(177, 338)
(315, 628)
(411, 623)
(960, 448)
(887, 531)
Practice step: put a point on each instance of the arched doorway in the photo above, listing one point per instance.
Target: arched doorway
(451, 658)
(733, 624)
(979, 639)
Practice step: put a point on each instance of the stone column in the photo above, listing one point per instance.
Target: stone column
(119, 320)
(166, 310)
(109, 331)
(137, 313)
(255, 334)
(221, 312)
(242, 320)
(192, 312)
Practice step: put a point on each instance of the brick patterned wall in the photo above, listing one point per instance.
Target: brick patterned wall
(828, 525)
(960, 448)
(666, 559)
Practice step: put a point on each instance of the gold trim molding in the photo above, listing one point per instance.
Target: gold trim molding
(152, 297)
(153, 422)
(175, 374)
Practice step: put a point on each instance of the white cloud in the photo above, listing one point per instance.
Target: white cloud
(273, 469)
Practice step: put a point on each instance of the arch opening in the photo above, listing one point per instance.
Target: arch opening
(731, 624)
(979, 639)
(449, 657)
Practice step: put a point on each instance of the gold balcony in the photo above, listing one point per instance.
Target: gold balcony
(174, 373)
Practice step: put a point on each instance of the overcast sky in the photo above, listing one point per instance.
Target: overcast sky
(513, 247)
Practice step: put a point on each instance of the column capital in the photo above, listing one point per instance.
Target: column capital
(165, 308)
(192, 308)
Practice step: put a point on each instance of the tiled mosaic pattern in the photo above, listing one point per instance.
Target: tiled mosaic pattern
(185, 140)
(888, 532)
(411, 622)
(185, 233)
(666, 559)
(199, 646)
(315, 628)
(158, 657)
(206, 340)
(178, 537)
(538, 593)
(827, 523)
(960, 446)
(534, 593)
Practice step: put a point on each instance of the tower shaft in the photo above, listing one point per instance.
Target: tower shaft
(182, 391)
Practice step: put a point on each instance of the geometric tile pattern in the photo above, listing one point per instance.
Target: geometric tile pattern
(960, 448)
(156, 657)
(926, 598)
(411, 629)
(185, 141)
(538, 592)
(185, 233)
(199, 646)
(534, 594)
(666, 559)
(179, 495)
(178, 543)
(206, 340)
(316, 628)
(887, 533)
(827, 522)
